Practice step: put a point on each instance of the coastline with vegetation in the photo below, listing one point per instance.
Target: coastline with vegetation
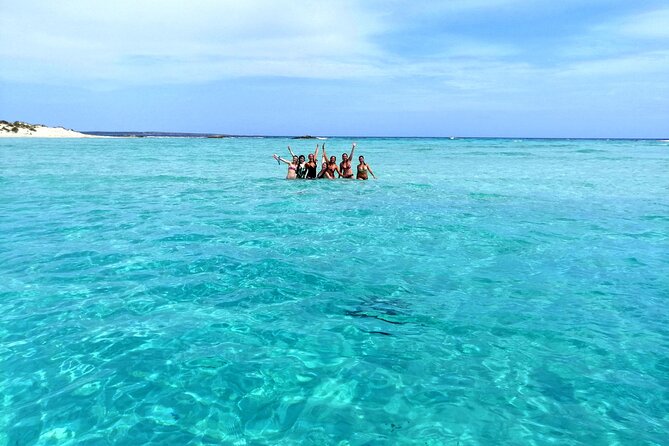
(19, 129)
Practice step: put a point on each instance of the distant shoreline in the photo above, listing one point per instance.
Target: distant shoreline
(226, 136)
(19, 129)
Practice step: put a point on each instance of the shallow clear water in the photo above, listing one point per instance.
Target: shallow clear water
(179, 291)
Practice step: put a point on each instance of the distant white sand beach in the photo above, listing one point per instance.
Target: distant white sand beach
(24, 130)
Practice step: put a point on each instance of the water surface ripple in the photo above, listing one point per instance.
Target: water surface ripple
(179, 291)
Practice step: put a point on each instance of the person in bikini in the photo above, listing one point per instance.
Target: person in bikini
(292, 166)
(331, 166)
(327, 170)
(363, 168)
(345, 165)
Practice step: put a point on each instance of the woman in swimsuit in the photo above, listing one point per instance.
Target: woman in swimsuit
(331, 166)
(301, 170)
(324, 172)
(363, 168)
(345, 165)
(312, 167)
(292, 166)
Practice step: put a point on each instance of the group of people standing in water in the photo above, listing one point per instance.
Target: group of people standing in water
(300, 168)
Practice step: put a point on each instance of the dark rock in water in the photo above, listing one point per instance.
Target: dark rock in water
(217, 136)
(305, 137)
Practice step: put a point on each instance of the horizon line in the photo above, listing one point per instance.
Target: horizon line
(214, 135)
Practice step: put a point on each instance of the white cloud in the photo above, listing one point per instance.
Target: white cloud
(648, 25)
(448, 7)
(150, 41)
(627, 57)
(640, 64)
(127, 42)
(622, 36)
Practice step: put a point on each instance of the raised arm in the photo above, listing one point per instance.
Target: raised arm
(325, 155)
(278, 158)
(291, 151)
(316, 154)
(352, 150)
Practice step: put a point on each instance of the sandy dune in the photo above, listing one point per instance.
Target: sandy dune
(24, 130)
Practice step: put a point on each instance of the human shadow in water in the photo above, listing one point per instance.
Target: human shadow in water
(392, 311)
(360, 313)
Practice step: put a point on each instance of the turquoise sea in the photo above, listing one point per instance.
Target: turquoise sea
(480, 292)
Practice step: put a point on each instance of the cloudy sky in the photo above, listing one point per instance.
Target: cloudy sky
(569, 68)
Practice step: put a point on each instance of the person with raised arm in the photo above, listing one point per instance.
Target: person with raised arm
(324, 167)
(312, 165)
(291, 151)
(345, 165)
(292, 166)
(324, 172)
(363, 168)
(301, 167)
(331, 165)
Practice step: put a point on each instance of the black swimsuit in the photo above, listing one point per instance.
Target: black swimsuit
(301, 171)
(311, 171)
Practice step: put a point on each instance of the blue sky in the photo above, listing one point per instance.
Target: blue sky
(528, 68)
